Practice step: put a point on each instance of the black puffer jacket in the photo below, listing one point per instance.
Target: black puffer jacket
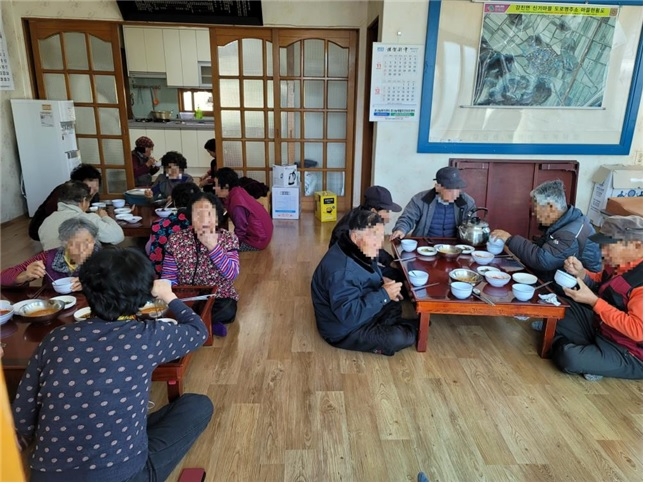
(566, 237)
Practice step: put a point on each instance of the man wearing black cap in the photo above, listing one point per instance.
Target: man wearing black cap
(357, 308)
(437, 212)
(601, 333)
(377, 199)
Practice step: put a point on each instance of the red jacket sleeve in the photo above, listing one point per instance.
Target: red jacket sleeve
(8, 276)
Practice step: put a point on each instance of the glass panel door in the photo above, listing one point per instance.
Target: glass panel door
(81, 61)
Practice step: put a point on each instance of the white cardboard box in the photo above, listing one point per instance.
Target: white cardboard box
(285, 176)
(613, 181)
(285, 202)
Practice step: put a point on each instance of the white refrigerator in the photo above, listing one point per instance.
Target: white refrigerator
(46, 135)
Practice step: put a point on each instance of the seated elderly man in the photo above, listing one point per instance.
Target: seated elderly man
(357, 308)
(601, 333)
(73, 201)
(567, 232)
(437, 212)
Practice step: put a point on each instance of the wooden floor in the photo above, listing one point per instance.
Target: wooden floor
(480, 405)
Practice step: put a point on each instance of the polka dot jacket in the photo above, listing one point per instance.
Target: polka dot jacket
(84, 394)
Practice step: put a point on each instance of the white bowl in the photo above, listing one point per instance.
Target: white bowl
(494, 248)
(524, 278)
(523, 292)
(63, 285)
(118, 203)
(409, 245)
(466, 249)
(99, 204)
(163, 212)
(484, 269)
(418, 278)
(82, 314)
(68, 300)
(482, 257)
(427, 251)
(122, 210)
(8, 307)
(123, 216)
(133, 219)
(497, 278)
(94, 209)
(564, 279)
(461, 290)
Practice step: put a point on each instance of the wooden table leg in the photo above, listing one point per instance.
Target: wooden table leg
(547, 336)
(424, 327)
(175, 389)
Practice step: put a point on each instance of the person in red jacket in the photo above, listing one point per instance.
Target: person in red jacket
(253, 224)
(143, 163)
(601, 333)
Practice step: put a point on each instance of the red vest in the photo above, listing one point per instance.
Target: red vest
(616, 290)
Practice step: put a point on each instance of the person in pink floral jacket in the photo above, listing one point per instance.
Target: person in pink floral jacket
(206, 255)
(163, 228)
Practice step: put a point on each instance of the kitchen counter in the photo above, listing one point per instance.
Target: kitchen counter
(175, 124)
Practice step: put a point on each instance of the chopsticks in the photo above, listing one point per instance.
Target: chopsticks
(404, 259)
(423, 287)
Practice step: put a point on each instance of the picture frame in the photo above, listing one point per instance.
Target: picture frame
(546, 135)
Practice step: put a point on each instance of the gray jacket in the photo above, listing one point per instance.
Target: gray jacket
(419, 211)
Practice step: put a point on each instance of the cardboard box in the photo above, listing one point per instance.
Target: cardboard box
(613, 181)
(625, 206)
(285, 176)
(326, 203)
(285, 203)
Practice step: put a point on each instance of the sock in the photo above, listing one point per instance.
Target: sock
(537, 325)
(590, 377)
(219, 329)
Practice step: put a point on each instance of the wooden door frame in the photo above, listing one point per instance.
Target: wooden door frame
(367, 162)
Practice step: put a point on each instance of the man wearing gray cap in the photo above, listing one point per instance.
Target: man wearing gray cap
(601, 333)
(437, 212)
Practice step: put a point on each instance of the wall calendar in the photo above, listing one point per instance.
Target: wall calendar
(397, 73)
(6, 78)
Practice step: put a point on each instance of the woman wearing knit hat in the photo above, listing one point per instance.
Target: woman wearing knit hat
(143, 163)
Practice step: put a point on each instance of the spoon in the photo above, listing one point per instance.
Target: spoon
(479, 294)
(542, 285)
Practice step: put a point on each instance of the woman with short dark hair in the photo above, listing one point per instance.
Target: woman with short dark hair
(206, 255)
(101, 369)
(143, 163)
(174, 165)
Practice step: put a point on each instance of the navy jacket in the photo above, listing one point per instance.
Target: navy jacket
(566, 237)
(346, 290)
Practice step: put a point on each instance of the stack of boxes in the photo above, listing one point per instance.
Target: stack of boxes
(611, 181)
(285, 192)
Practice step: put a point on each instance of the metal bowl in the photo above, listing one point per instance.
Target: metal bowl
(465, 275)
(41, 310)
(447, 251)
(153, 309)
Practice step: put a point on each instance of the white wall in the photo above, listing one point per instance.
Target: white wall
(301, 13)
(405, 172)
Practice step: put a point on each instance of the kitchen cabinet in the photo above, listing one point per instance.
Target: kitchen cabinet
(503, 187)
(144, 49)
(172, 51)
(189, 142)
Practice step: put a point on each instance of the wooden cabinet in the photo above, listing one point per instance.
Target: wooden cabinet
(503, 187)
(180, 51)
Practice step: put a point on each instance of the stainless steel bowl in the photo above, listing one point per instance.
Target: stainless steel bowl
(448, 251)
(465, 275)
(41, 310)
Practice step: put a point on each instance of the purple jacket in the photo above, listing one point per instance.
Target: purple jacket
(55, 266)
(253, 224)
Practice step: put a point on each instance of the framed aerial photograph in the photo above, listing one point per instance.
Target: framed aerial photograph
(531, 77)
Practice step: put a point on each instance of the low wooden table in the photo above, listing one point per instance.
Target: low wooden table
(439, 300)
(143, 227)
(20, 340)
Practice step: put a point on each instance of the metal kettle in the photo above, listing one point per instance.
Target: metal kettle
(474, 230)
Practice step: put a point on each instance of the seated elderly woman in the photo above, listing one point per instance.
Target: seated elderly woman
(566, 233)
(78, 242)
(174, 165)
(164, 228)
(206, 255)
(101, 368)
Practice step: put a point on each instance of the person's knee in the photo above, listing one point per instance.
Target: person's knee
(201, 406)
(226, 312)
(566, 358)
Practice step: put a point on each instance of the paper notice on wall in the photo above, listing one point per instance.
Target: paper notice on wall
(397, 74)
(6, 77)
(47, 119)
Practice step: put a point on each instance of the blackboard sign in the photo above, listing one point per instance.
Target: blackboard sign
(230, 12)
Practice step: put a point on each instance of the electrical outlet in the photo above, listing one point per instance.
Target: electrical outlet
(638, 157)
